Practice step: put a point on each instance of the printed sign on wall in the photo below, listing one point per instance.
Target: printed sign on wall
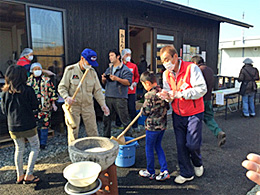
(121, 39)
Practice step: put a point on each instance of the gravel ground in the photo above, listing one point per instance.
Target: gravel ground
(224, 173)
(56, 145)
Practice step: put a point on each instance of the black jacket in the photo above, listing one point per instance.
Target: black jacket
(244, 75)
(19, 109)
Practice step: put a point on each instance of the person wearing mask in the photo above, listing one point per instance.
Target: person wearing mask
(117, 78)
(208, 112)
(46, 96)
(126, 58)
(83, 105)
(19, 103)
(25, 60)
(248, 75)
(184, 86)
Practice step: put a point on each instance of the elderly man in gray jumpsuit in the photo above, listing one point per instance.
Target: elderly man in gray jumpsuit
(83, 105)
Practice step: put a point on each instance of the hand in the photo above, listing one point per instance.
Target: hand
(113, 77)
(178, 95)
(106, 110)
(253, 165)
(103, 78)
(54, 107)
(69, 100)
(133, 85)
(49, 73)
(165, 95)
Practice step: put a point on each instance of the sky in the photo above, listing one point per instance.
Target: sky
(232, 9)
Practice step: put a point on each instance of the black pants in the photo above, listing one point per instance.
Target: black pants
(118, 106)
(131, 109)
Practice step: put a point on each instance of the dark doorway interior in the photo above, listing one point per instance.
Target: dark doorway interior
(12, 33)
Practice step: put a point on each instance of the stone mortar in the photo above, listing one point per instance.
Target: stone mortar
(105, 158)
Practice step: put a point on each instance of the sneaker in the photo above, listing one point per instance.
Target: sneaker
(180, 180)
(163, 176)
(199, 171)
(145, 173)
(221, 138)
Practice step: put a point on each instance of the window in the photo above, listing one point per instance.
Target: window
(47, 38)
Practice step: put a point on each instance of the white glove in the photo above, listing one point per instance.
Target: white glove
(106, 110)
(133, 85)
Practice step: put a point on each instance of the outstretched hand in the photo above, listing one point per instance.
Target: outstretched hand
(253, 165)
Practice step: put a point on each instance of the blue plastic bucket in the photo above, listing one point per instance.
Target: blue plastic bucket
(141, 119)
(126, 154)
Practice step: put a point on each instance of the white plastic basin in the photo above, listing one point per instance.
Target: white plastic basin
(82, 174)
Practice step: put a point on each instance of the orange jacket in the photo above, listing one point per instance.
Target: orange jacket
(182, 106)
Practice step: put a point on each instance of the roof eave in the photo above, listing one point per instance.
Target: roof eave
(189, 10)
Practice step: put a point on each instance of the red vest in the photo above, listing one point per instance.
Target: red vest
(23, 61)
(181, 106)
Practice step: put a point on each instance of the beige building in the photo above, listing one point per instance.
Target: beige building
(233, 52)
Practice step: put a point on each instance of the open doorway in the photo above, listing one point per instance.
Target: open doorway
(12, 33)
(140, 44)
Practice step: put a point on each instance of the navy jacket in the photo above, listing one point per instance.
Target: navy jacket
(115, 89)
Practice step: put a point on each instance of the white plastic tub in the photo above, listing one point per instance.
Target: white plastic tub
(82, 174)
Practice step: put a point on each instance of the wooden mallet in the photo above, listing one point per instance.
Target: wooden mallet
(120, 138)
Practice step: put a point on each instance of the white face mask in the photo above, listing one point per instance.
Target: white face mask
(128, 59)
(30, 58)
(37, 73)
(85, 66)
(169, 66)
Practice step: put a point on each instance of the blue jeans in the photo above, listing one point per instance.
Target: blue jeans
(248, 104)
(153, 141)
(43, 135)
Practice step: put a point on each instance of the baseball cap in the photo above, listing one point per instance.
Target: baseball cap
(90, 56)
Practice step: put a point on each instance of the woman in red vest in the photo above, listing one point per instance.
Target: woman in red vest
(25, 60)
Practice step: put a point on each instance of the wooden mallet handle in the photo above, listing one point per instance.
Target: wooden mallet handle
(79, 85)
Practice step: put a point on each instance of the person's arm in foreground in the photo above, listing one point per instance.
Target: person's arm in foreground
(253, 165)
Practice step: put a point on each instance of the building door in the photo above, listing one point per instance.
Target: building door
(140, 44)
(46, 38)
